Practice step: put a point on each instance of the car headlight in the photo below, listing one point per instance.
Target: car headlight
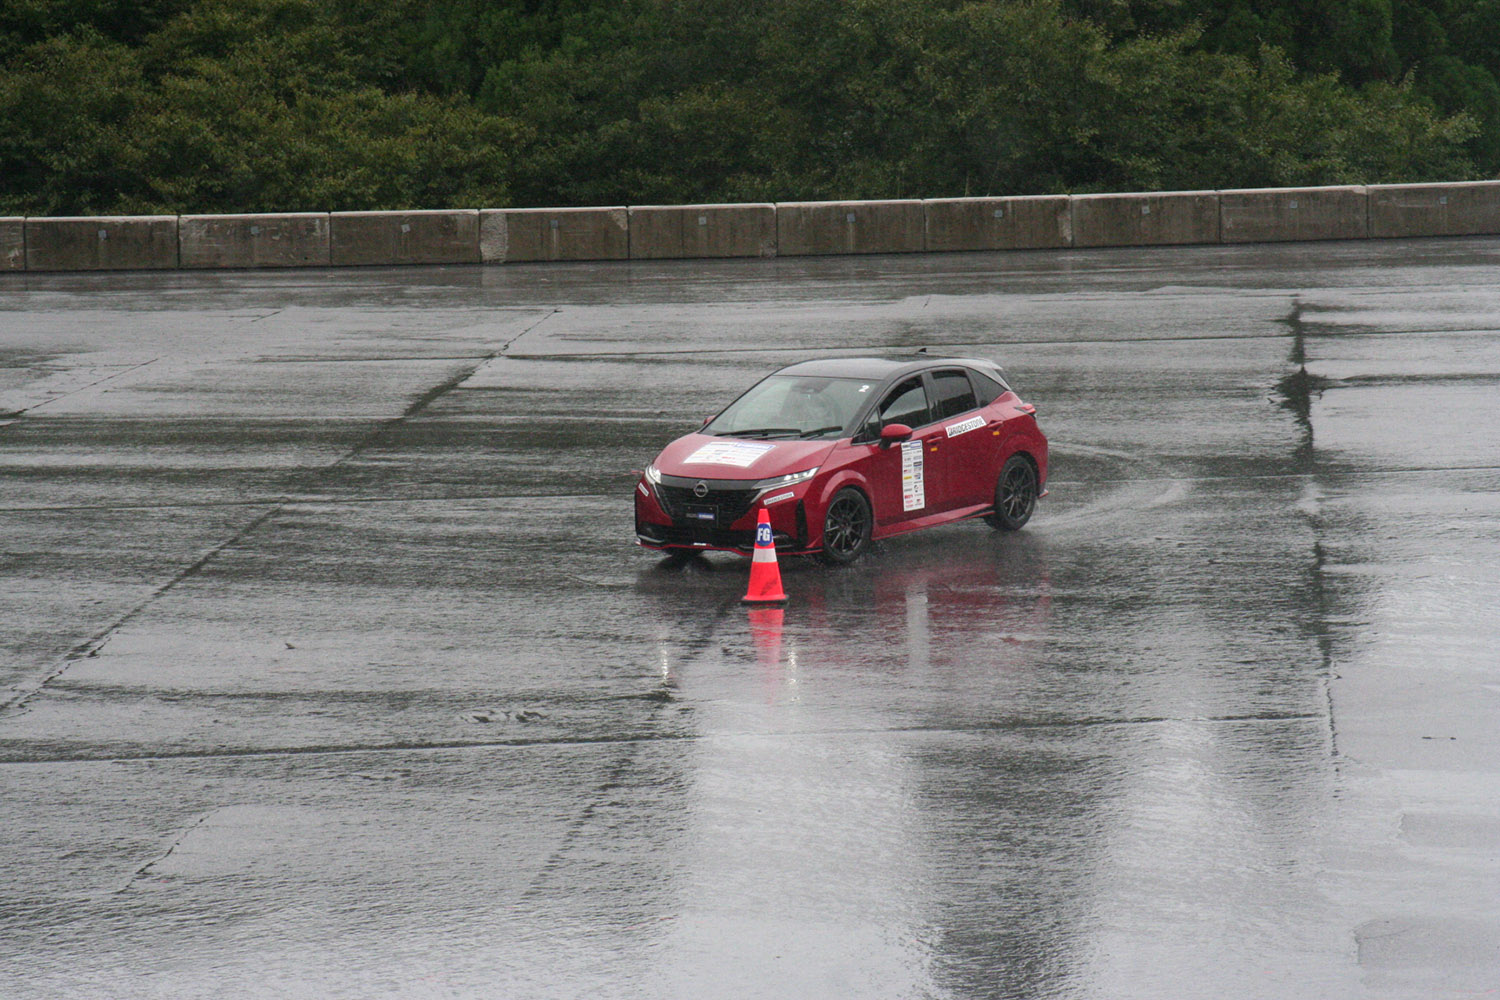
(766, 485)
(652, 475)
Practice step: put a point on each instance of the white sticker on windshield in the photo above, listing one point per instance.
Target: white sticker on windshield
(913, 491)
(741, 454)
(964, 426)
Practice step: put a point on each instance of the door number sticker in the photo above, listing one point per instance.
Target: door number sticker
(964, 426)
(913, 491)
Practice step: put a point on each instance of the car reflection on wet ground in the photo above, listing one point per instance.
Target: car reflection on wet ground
(331, 667)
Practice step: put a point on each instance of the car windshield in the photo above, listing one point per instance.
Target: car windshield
(793, 406)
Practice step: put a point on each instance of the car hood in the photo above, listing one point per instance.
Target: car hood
(704, 456)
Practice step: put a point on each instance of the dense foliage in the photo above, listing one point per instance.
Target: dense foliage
(111, 106)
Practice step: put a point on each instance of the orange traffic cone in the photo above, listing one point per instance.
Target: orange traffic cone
(765, 575)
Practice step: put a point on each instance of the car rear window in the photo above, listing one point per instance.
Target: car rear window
(987, 388)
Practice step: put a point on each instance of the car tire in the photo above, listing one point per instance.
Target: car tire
(1015, 494)
(847, 525)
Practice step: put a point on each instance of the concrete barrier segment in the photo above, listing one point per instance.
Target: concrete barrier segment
(1275, 215)
(660, 232)
(1022, 223)
(849, 227)
(518, 235)
(12, 244)
(1159, 218)
(299, 239)
(1463, 209)
(101, 243)
(391, 238)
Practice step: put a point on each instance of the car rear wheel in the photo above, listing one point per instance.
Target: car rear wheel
(1015, 495)
(846, 526)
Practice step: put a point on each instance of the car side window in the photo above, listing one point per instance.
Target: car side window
(905, 404)
(954, 394)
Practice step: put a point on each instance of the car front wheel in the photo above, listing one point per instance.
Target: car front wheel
(1015, 495)
(846, 526)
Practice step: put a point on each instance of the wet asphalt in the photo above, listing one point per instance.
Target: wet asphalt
(328, 665)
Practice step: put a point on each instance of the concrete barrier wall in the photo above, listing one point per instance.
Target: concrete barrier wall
(518, 235)
(102, 243)
(659, 232)
(1469, 209)
(844, 227)
(1157, 219)
(12, 244)
(1031, 223)
(296, 240)
(389, 238)
(1282, 214)
(664, 232)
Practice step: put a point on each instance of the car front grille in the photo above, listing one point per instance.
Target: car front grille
(727, 505)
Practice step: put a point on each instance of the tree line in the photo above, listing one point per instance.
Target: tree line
(144, 106)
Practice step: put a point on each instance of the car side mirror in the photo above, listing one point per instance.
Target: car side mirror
(893, 433)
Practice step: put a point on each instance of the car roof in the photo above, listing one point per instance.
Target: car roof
(880, 368)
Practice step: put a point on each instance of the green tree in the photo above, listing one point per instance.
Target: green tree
(235, 106)
(248, 105)
(66, 137)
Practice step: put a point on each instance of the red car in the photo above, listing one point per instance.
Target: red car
(845, 451)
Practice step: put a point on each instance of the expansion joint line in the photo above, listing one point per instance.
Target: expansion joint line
(622, 766)
(90, 647)
(9, 415)
(20, 696)
(422, 402)
(145, 869)
(505, 348)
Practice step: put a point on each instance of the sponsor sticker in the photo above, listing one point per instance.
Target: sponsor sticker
(741, 454)
(913, 491)
(964, 426)
(778, 498)
(763, 535)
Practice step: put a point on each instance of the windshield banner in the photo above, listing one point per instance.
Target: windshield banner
(741, 454)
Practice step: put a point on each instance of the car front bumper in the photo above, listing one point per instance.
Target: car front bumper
(674, 524)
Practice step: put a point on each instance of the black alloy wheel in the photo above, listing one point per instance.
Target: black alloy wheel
(1015, 495)
(846, 526)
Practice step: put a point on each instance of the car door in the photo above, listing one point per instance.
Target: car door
(961, 454)
(898, 473)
